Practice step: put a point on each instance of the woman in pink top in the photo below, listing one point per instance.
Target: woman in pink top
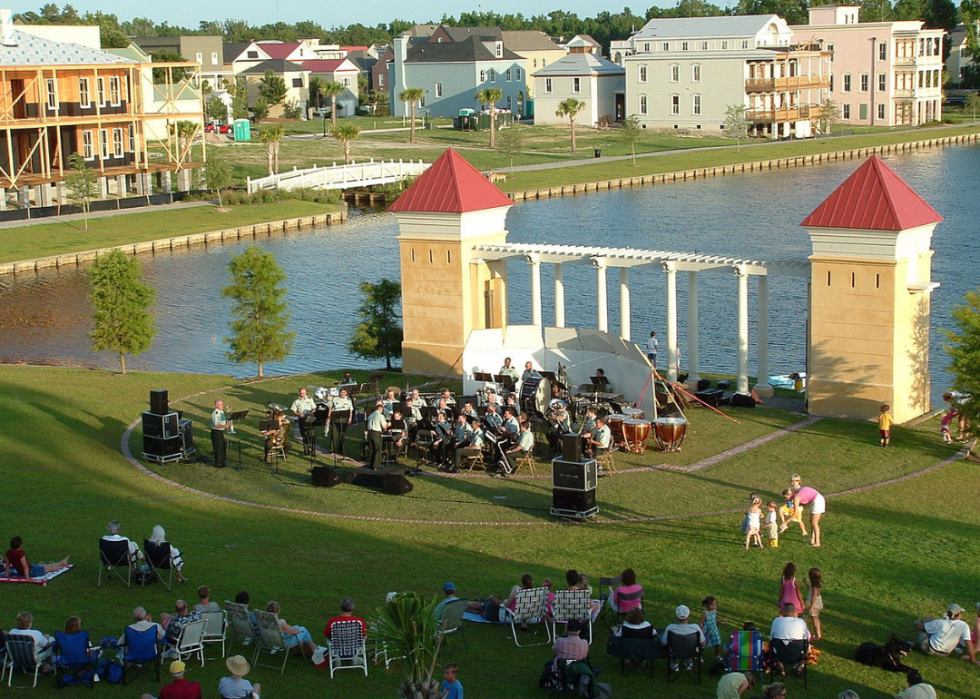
(805, 495)
(789, 589)
(628, 588)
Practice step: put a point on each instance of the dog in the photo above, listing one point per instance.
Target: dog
(887, 657)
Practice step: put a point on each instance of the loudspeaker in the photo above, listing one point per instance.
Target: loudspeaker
(573, 500)
(161, 426)
(324, 477)
(573, 475)
(397, 484)
(159, 402)
(187, 437)
(704, 384)
(711, 397)
(742, 401)
(170, 448)
(571, 447)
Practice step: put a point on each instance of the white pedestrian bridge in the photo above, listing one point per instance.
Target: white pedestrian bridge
(335, 176)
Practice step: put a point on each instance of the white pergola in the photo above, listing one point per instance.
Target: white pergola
(671, 263)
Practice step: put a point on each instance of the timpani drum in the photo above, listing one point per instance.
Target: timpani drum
(615, 423)
(669, 432)
(634, 413)
(637, 432)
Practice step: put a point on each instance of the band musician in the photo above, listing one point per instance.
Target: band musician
(492, 421)
(339, 423)
(219, 423)
(601, 439)
(443, 440)
(529, 372)
(524, 446)
(376, 426)
(413, 415)
(304, 407)
(508, 370)
(275, 432)
(560, 424)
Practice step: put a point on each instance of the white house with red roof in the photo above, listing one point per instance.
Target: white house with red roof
(339, 70)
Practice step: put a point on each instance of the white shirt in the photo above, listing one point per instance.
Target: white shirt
(946, 634)
(790, 628)
(684, 630)
(653, 346)
(301, 406)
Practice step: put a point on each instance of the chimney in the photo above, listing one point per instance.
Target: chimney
(7, 28)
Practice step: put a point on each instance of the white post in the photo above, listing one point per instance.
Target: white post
(603, 311)
(624, 303)
(692, 329)
(535, 263)
(762, 386)
(559, 296)
(742, 385)
(671, 269)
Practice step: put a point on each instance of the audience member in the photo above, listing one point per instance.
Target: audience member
(244, 598)
(346, 614)
(788, 626)
(451, 687)
(16, 563)
(628, 586)
(571, 646)
(175, 624)
(141, 622)
(492, 608)
(917, 688)
(112, 534)
(449, 590)
(43, 644)
(943, 636)
(73, 626)
(204, 603)
(179, 688)
(683, 627)
(236, 686)
(295, 635)
(848, 694)
(735, 684)
(159, 536)
(777, 690)
(635, 626)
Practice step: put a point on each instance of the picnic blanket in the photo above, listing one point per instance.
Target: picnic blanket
(42, 581)
(473, 616)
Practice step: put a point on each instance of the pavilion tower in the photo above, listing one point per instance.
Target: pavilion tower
(870, 286)
(446, 291)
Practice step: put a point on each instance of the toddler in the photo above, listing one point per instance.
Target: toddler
(753, 516)
(709, 624)
(814, 599)
(885, 421)
(944, 425)
(745, 520)
(772, 528)
(795, 513)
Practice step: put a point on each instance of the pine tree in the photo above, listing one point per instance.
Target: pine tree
(260, 311)
(123, 322)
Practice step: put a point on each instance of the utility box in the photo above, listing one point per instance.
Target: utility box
(243, 130)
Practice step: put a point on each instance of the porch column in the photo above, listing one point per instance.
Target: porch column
(62, 193)
(44, 195)
(671, 270)
(103, 187)
(120, 186)
(742, 384)
(147, 178)
(535, 263)
(600, 295)
(692, 329)
(166, 183)
(624, 303)
(24, 197)
(559, 296)
(3, 199)
(762, 386)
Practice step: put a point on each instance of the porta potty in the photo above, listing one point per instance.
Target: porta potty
(243, 130)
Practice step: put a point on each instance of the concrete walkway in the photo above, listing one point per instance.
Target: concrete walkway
(72, 218)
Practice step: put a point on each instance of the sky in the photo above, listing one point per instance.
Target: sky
(188, 13)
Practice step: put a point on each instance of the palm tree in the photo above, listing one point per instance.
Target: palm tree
(407, 626)
(315, 88)
(345, 133)
(570, 108)
(491, 96)
(185, 131)
(271, 135)
(333, 90)
(413, 95)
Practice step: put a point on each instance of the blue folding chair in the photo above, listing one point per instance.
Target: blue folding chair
(142, 652)
(75, 665)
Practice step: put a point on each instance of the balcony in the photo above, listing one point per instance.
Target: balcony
(783, 114)
(903, 94)
(903, 61)
(798, 82)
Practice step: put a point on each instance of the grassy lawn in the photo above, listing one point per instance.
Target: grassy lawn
(27, 242)
(890, 553)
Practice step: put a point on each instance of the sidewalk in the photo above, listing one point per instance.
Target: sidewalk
(71, 218)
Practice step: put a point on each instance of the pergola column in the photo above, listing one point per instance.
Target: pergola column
(603, 311)
(762, 387)
(559, 296)
(671, 270)
(692, 329)
(742, 384)
(535, 263)
(624, 303)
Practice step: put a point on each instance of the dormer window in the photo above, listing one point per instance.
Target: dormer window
(498, 49)
(252, 54)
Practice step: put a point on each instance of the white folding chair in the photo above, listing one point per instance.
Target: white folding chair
(271, 638)
(191, 640)
(21, 653)
(216, 629)
(530, 607)
(241, 625)
(571, 604)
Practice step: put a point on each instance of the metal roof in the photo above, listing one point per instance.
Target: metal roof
(451, 186)
(668, 28)
(30, 50)
(581, 64)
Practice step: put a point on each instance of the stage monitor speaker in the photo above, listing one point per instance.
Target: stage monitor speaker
(164, 448)
(324, 477)
(704, 384)
(397, 484)
(159, 402)
(573, 475)
(742, 401)
(711, 396)
(161, 426)
(573, 500)
(571, 447)
(187, 437)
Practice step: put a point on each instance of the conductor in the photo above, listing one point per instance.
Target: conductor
(303, 408)
(376, 425)
(340, 421)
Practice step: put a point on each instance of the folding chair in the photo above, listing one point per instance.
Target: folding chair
(526, 460)
(635, 652)
(114, 555)
(216, 629)
(577, 677)
(191, 640)
(451, 622)
(746, 652)
(242, 626)
(683, 654)
(614, 605)
(790, 656)
(605, 597)
(75, 665)
(572, 604)
(159, 558)
(530, 607)
(22, 654)
(605, 459)
(271, 638)
(346, 647)
(474, 460)
(142, 652)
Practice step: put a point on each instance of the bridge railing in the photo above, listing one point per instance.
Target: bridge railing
(335, 176)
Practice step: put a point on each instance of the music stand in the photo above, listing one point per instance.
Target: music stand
(504, 380)
(341, 417)
(484, 376)
(239, 415)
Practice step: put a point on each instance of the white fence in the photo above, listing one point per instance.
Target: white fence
(340, 176)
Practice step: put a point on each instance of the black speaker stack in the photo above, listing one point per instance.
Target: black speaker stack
(573, 482)
(390, 480)
(166, 437)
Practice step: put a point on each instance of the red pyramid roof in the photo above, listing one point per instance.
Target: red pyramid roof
(451, 186)
(873, 198)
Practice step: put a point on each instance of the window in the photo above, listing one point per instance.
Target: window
(863, 111)
(643, 74)
(745, 44)
(881, 111)
(104, 143)
(704, 45)
(683, 46)
(117, 143)
(846, 111)
(535, 62)
(438, 89)
(643, 104)
(882, 51)
(114, 90)
(483, 76)
(298, 82)
(84, 97)
(498, 49)
(675, 73)
(864, 82)
(199, 57)
(847, 82)
(381, 79)
(646, 48)
(830, 48)
(251, 54)
(675, 104)
(52, 94)
(101, 84)
(547, 85)
(666, 46)
(509, 71)
(831, 82)
(132, 139)
(343, 81)
(724, 45)
(88, 150)
(696, 73)
(493, 75)
(214, 58)
(510, 103)
(576, 84)
(518, 74)
(882, 82)
(696, 105)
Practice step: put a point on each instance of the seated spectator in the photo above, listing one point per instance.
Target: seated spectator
(176, 559)
(636, 626)
(571, 646)
(112, 534)
(204, 603)
(179, 688)
(735, 684)
(16, 563)
(73, 626)
(492, 608)
(346, 614)
(141, 622)
(683, 627)
(776, 690)
(917, 688)
(449, 590)
(175, 623)
(943, 636)
(244, 598)
(295, 635)
(788, 626)
(236, 686)
(43, 644)
(627, 586)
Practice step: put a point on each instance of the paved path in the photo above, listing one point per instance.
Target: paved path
(71, 218)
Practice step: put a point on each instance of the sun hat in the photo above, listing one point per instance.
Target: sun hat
(177, 667)
(237, 665)
(449, 587)
(955, 609)
(682, 612)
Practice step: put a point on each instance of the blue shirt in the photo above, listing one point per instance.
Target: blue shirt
(455, 690)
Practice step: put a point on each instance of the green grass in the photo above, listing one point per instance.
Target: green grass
(890, 553)
(28, 242)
